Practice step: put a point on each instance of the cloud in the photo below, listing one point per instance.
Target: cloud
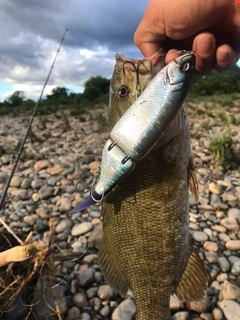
(32, 30)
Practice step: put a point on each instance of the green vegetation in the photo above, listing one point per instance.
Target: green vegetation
(95, 93)
(221, 147)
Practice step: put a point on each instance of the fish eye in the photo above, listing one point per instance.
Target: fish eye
(122, 92)
(185, 66)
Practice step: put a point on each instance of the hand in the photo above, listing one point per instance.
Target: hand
(211, 28)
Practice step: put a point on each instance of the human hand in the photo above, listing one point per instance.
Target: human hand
(210, 28)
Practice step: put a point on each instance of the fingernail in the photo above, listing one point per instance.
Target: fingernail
(222, 57)
(204, 46)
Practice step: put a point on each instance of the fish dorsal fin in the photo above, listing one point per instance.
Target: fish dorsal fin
(192, 180)
(109, 267)
(192, 284)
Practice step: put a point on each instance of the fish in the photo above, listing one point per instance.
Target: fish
(142, 125)
(146, 245)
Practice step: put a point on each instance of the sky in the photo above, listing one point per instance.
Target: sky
(31, 31)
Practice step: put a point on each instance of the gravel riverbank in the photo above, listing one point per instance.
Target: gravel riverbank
(62, 151)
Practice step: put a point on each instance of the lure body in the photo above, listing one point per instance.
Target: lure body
(142, 125)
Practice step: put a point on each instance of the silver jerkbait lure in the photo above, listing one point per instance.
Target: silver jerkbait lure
(142, 126)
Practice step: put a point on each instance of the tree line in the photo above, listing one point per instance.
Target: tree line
(96, 92)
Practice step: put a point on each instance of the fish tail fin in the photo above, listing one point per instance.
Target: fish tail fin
(193, 282)
(89, 201)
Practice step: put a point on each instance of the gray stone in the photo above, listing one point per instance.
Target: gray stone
(92, 292)
(26, 183)
(236, 268)
(126, 310)
(64, 225)
(80, 299)
(85, 277)
(98, 277)
(95, 237)
(105, 311)
(85, 316)
(46, 192)
(3, 177)
(73, 314)
(200, 236)
(230, 308)
(224, 264)
(37, 184)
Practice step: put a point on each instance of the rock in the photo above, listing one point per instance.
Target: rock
(206, 316)
(84, 277)
(230, 223)
(44, 300)
(215, 188)
(95, 303)
(92, 292)
(218, 228)
(81, 228)
(73, 314)
(236, 268)
(105, 292)
(87, 158)
(217, 314)
(26, 183)
(227, 196)
(200, 236)
(182, 315)
(94, 165)
(80, 299)
(175, 303)
(230, 308)
(85, 316)
(95, 237)
(234, 213)
(15, 182)
(126, 310)
(233, 245)
(229, 291)
(98, 277)
(46, 192)
(105, 311)
(37, 184)
(65, 204)
(64, 225)
(41, 164)
(224, 264)
(211, 246)
(211, 256)
(55, 170)
(30, 220)
(3, 177)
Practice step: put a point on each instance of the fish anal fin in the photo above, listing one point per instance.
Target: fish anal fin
(192, 180)
(110, 268)
(193, 282)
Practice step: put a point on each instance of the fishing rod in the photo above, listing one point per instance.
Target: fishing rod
(29, 126)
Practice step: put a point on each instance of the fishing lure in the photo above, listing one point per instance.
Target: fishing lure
(142, 125)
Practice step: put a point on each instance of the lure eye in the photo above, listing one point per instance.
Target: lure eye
(185, 66)
(122, 92)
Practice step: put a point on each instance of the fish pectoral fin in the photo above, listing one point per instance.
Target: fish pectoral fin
(192, 180)
(193, 282)
(111, 269)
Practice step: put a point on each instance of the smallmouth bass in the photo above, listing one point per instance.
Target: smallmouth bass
(146, 242)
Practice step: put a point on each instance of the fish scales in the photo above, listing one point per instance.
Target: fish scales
(146, 241)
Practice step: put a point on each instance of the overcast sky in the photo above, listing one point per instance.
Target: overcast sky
(31, 30)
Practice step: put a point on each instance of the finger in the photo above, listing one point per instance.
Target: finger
(226, 58)
(171, 55)
(204, 46)
(146, 38)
